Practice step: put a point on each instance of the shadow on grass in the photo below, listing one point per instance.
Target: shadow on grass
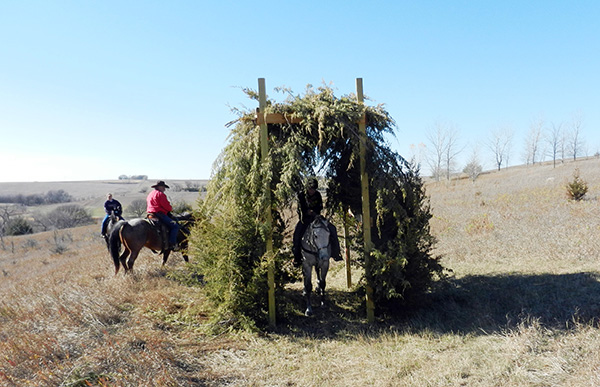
(472, 304)
(493, 303)
(343, 312)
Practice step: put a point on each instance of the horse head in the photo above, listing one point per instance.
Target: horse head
(317, 238)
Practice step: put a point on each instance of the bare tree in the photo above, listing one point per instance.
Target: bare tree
(418, 153)
(453, 149)
(7, 212)
(563, 146)
(435, 157)
(41, 221)
(445, 148)
(499, 143)
(555, 141)
(575, 142)
(137, 208)
(69, 215)
(533, 152)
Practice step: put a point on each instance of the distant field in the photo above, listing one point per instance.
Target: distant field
(521, 307)
(92, 194)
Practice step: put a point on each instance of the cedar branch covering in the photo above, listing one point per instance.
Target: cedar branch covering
(229, 241)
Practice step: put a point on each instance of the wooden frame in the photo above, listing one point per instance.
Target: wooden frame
(262, 120)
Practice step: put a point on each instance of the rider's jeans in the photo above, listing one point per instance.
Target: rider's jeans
(172, 225)
(105, 223)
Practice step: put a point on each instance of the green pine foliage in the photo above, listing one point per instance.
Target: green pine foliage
(229, 241)
(577, 188)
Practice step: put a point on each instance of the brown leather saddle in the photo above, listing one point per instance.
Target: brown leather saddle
(161, 230)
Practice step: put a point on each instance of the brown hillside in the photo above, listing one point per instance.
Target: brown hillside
(521, 308)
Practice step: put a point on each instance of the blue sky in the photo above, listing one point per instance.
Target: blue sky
(96, 89)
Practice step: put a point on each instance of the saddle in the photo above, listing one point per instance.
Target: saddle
(161, 230)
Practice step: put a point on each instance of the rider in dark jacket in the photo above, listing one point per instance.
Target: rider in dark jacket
(310, 205)
(111, 206)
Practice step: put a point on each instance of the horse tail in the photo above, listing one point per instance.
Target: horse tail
(114, 241)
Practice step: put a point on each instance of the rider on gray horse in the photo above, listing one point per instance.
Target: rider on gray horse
(310, 204)
(111, 206)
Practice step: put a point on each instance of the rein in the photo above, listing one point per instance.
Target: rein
(321, 225)
(310, 251)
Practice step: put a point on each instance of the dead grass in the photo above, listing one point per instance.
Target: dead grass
(521, 308)
(66, 319)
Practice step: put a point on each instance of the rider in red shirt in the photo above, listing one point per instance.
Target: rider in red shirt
(159, 205)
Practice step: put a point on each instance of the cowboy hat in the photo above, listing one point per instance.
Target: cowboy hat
(160, 183)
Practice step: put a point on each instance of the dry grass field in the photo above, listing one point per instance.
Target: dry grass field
(520, 308)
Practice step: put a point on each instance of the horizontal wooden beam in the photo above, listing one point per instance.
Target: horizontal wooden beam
(276, 118)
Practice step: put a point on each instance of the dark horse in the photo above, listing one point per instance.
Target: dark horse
(138, 233)
(316, 251)
(112, 221)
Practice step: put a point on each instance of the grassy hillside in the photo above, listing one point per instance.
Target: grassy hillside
(520, 309)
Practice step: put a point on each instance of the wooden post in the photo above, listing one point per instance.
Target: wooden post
(264, 150)
(347, 251)
(366, 209)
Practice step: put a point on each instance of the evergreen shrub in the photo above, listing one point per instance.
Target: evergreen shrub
(229, 240)
(577, 188)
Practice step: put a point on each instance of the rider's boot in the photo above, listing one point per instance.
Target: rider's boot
(297, 256)
(336, 250)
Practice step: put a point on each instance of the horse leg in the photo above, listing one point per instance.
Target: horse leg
(131, 260)
(183, 245)
(123, 259)
(166, 256)
(322, 270)
(307, 271)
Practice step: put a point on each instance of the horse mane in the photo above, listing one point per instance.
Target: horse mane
(185, 216)
(321, 219)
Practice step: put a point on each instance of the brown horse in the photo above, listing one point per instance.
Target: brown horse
(138, 233)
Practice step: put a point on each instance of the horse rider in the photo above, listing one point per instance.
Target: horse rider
(158, 205)
(111, 206)
(310, 204)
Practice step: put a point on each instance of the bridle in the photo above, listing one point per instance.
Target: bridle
(309, 241)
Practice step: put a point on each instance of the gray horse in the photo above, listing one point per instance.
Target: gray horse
(316, 251)
(136, 234)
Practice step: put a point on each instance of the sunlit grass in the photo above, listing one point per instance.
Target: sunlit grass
(521, 307)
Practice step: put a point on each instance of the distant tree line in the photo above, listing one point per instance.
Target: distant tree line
(50, 197)
(13, 219)
(190, 186)
(133, 177)
(555, 141)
